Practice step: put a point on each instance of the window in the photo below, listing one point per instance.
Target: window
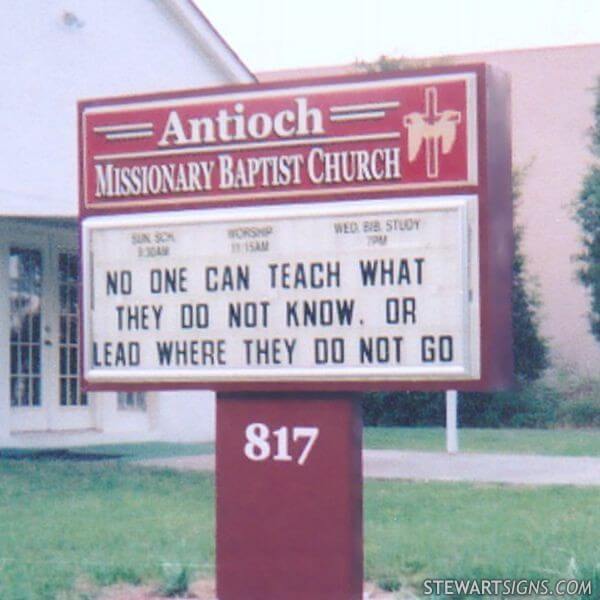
(25, 291)
(131, 401)
(70, 393)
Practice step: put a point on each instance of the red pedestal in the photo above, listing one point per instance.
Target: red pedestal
(289, 516)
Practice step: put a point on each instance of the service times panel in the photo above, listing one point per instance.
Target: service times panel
(370, 290)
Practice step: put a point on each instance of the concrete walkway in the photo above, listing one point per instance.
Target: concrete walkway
(515, 469)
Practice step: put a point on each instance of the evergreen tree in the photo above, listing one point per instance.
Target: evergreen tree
(530, 349)
(587, 214)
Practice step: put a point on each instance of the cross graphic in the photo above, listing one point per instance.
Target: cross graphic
(432, 147)
(436, 129)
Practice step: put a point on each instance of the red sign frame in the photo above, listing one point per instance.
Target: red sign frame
(469, 104)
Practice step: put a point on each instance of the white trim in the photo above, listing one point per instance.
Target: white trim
(124, 127)
(341, 108)
(190, 17)
(374, 114)
(338, 139)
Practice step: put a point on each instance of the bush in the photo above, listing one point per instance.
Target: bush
(404, 408)
(582, 412)
(533, 405)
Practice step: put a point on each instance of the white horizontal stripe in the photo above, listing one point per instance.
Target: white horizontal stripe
(129, 135)
(369, 106)
(124, 127)
(252, 146)
(379, 114)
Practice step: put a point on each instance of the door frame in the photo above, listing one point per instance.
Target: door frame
(50, 237)
(64, 417)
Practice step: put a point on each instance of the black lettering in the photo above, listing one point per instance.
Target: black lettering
(368, 271)
(441, 349)
(227, 278)
(168, 281)
(319, 312)
(191, 352)
(194, 316)
(382, 350)
(446, 348)
(428, 348)
(118, 282)
(249, 314)
(329, 350)
(396, 311)
(116, 354)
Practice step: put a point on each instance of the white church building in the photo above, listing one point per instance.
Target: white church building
(52, 54)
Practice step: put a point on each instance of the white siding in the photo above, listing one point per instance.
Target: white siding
(47, 65)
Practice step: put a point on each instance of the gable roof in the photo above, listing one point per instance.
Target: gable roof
(203, 32)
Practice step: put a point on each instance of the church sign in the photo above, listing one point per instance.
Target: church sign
(285, 244)
(343, 234)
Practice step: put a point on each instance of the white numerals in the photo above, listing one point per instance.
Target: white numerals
(258, 445)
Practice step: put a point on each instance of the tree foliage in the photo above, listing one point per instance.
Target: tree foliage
(388, 63)
(530, 349)
(587, 215)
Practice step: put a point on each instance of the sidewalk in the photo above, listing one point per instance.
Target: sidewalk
(515, 469)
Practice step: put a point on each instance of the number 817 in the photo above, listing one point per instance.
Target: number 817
(258, 445)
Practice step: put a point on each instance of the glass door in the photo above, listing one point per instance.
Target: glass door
(26, 287)
(70, 408)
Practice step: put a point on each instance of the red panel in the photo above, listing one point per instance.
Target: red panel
(287, 531)
(129, 143)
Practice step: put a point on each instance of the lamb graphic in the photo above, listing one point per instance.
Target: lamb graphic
(431, 128)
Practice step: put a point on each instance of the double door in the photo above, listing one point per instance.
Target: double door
(42, 283)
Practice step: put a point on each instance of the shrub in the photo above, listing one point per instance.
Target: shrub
(533, 405)
(404, 408)
(582, 412)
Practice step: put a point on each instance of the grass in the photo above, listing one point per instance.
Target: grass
(109, 522)
(121, 452)
(562, 442)
(416, 531)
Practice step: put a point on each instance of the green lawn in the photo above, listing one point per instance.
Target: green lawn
(121, 452)
(565, 442)
(59, 520)
(415, 531)
(63, 520)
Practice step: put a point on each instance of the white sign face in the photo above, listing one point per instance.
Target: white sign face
(347, 291)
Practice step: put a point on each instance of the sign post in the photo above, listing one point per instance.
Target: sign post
(289, 245)
(451, 422)
(289, 507)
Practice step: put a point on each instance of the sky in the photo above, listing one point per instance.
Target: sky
(287, 34)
